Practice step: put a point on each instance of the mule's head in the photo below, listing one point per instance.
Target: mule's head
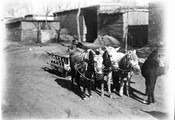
(89, 59)
(133, 61)
(112, 52)
(159, 57)
(106, 60)
(98, 61)
(114, 55)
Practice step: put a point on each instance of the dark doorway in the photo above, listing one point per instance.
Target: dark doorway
(137, 35)
(90, 17)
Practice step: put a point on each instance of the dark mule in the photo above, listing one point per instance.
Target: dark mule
(151, 69)
(107, 71)
(81, 62)
(87, 76)
(127, 65)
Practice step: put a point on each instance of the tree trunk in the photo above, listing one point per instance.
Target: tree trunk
(78, 24)
(39, 33)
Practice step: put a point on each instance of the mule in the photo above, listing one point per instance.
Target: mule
(102, 72)
(123, 66)
(98, 68)
(107, 72)
(154, 66)
(81, 62)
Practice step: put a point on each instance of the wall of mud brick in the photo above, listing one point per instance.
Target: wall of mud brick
(155, 27)
(26, 31)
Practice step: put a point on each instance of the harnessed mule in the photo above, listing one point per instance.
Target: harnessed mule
(107, 71)
(82, 64)
(99, 67)
(123, 65)
(104, 71)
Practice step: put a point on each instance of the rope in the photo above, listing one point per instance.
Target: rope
(123, 70)
(81, 74)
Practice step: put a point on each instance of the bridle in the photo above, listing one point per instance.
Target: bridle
(129, 65)
(84, 65)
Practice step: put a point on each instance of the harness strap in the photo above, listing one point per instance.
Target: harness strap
(107, 70)
(122, 70)
(76, 67)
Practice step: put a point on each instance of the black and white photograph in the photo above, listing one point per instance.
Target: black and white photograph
(86, 59)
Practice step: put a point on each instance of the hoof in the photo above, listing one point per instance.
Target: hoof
(84, 98)
(90, 96)
(120, 94)
(146, 102)
(153, 101)
(128, 95)
(110, 95)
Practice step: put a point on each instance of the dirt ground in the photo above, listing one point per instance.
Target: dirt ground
(31, 92)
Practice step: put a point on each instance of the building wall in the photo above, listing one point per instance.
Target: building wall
(26, 31)
(13, 31)
(137, 18)
(112, 25)
(68, 20)
(155, 28)
(48, 36)
(134, 18)
(29, 30)
(135, 28)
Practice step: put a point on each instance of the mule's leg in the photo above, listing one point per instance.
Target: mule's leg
(121, 86)
(72, 77)
(146, 86)
(95, 82)
(84, 89)
(149, 94)
(153, 87)
(89, 88)
(148, 91)
(116, 82)
(109, 80)
(78, 79)
(128, 84)
(102, 88)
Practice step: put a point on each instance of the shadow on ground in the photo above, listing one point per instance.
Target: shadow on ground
(64, 82)
(157, 114)
(133, 94)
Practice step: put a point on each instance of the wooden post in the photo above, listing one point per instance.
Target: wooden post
(78, 23)
(126, 38)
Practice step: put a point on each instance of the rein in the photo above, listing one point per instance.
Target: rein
(79, 64)
(76, 67)
(126, 71)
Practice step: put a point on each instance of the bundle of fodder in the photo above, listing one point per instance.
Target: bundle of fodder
(64, 36)
(107, 41)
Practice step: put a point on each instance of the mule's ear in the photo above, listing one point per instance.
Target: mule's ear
(116, 49)
(92, 51)
(101, 51)
(106, 48)
(134, 51)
